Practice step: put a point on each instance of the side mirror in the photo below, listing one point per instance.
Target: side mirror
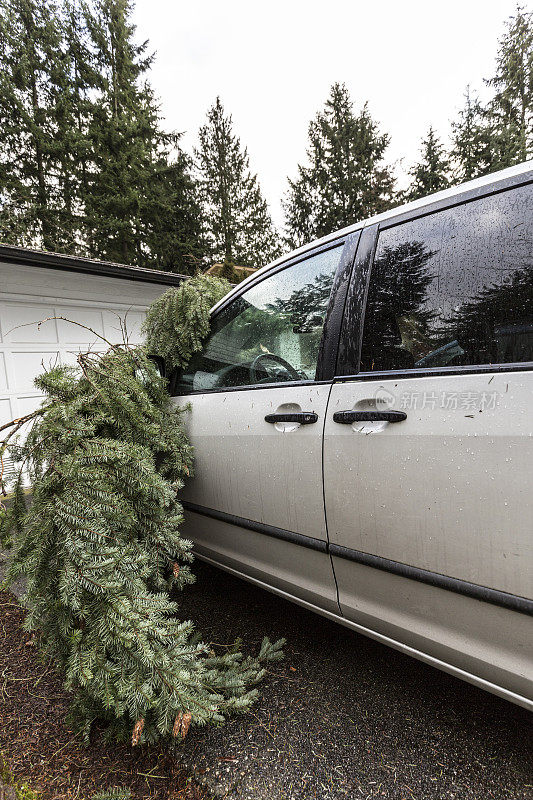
(159, 362)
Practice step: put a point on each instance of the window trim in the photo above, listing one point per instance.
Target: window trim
(351, 333)
(471, 369)
(331, 332)
(349, 357)
(327, 351)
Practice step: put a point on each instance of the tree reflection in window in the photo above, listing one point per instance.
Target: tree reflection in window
(282, 315)
(496, 327)
(454, 288)
(397, 328)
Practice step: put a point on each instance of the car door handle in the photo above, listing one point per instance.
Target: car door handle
(347, 417)
(303, 417)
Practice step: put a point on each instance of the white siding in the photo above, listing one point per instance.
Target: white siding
(30, 294)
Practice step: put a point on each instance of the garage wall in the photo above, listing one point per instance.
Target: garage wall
(29, 294)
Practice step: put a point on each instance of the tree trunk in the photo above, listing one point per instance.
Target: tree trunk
(46, 230)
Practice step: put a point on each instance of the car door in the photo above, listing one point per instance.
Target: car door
(258, 397)
(428, 448)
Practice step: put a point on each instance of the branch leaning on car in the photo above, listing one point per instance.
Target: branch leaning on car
(100, 544)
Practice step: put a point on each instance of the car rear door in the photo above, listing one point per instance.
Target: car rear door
(258, 394)
(428, 447)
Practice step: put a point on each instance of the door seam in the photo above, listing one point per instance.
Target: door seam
(323, 434)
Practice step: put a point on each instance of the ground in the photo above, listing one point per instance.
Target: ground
(38, 746)
(342, 716)
(346, 717)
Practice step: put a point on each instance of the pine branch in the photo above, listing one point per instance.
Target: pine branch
(100, 544)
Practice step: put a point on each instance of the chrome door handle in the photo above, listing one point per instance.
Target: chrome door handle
(303, 417)
(347, 417)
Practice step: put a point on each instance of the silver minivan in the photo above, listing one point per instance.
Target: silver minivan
(362, 417)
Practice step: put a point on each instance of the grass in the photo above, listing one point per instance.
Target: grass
(22, 790)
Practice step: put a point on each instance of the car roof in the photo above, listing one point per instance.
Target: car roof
(401, 210)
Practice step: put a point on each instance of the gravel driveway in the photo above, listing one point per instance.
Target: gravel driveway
(344, 716)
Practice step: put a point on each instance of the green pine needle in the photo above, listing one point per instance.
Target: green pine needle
(100, 544)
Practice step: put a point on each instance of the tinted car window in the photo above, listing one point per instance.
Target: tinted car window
(454, 288)
(269, 334)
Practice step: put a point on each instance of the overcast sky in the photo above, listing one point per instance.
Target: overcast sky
(272, 63)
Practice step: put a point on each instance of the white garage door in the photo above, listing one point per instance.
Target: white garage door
(29, 295)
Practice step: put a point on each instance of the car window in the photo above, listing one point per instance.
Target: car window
(454, 288)
(269, 334)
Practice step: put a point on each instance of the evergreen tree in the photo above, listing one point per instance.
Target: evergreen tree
(346, 178)
(37, 171)
(510, 112)
(85, 85)
(500, 133)
(173, 237)
(238, 224)
(470, 140)
(84, 165)
(431, 172)
(140, 204)
(100, 544)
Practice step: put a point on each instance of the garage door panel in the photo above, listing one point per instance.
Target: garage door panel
(27, 365)
(5, 410)
(30, 295)
(3, 373)
(69, 358)
(133, 326)
(112, 325)
(20, 323)
(76, 334)
(29, 403)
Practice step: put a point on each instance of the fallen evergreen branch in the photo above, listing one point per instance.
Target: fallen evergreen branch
(177, 323)
(100, 545)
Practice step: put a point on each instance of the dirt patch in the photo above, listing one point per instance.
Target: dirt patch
(40, 748)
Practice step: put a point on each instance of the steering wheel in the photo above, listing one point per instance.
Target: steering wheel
(254, 366)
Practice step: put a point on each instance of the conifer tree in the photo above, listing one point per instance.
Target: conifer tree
(173, 236)
(85, 85)
(85, 167)
(238, 224)
(500, 133)
(510, 112)
(470, 152)
(36, 168)
(345, 179)
(100, 544)
(432, 172)
(141, 204)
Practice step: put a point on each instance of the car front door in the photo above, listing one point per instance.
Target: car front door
(428, 448)
(258, 398)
